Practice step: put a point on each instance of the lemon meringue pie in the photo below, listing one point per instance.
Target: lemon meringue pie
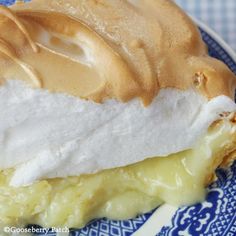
(108, 109)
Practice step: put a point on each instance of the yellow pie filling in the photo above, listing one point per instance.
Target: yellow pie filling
(119, 193)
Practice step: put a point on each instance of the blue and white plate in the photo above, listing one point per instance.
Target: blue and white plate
(216, 216)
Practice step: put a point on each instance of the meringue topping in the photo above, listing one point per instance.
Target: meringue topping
(48, 135)
(108, 49)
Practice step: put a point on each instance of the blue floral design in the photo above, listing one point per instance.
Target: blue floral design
(216, 216)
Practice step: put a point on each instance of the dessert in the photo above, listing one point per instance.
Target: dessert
(109, 108)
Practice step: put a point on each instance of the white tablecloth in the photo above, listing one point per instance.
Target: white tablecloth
(220, 15)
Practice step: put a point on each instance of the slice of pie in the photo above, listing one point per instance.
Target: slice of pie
(108, 109)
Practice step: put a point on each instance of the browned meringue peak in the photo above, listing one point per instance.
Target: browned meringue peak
(100, 48)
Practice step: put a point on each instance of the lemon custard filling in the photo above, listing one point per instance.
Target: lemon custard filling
(119, 193)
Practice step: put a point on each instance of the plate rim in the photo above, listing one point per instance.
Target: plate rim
(216, 37)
